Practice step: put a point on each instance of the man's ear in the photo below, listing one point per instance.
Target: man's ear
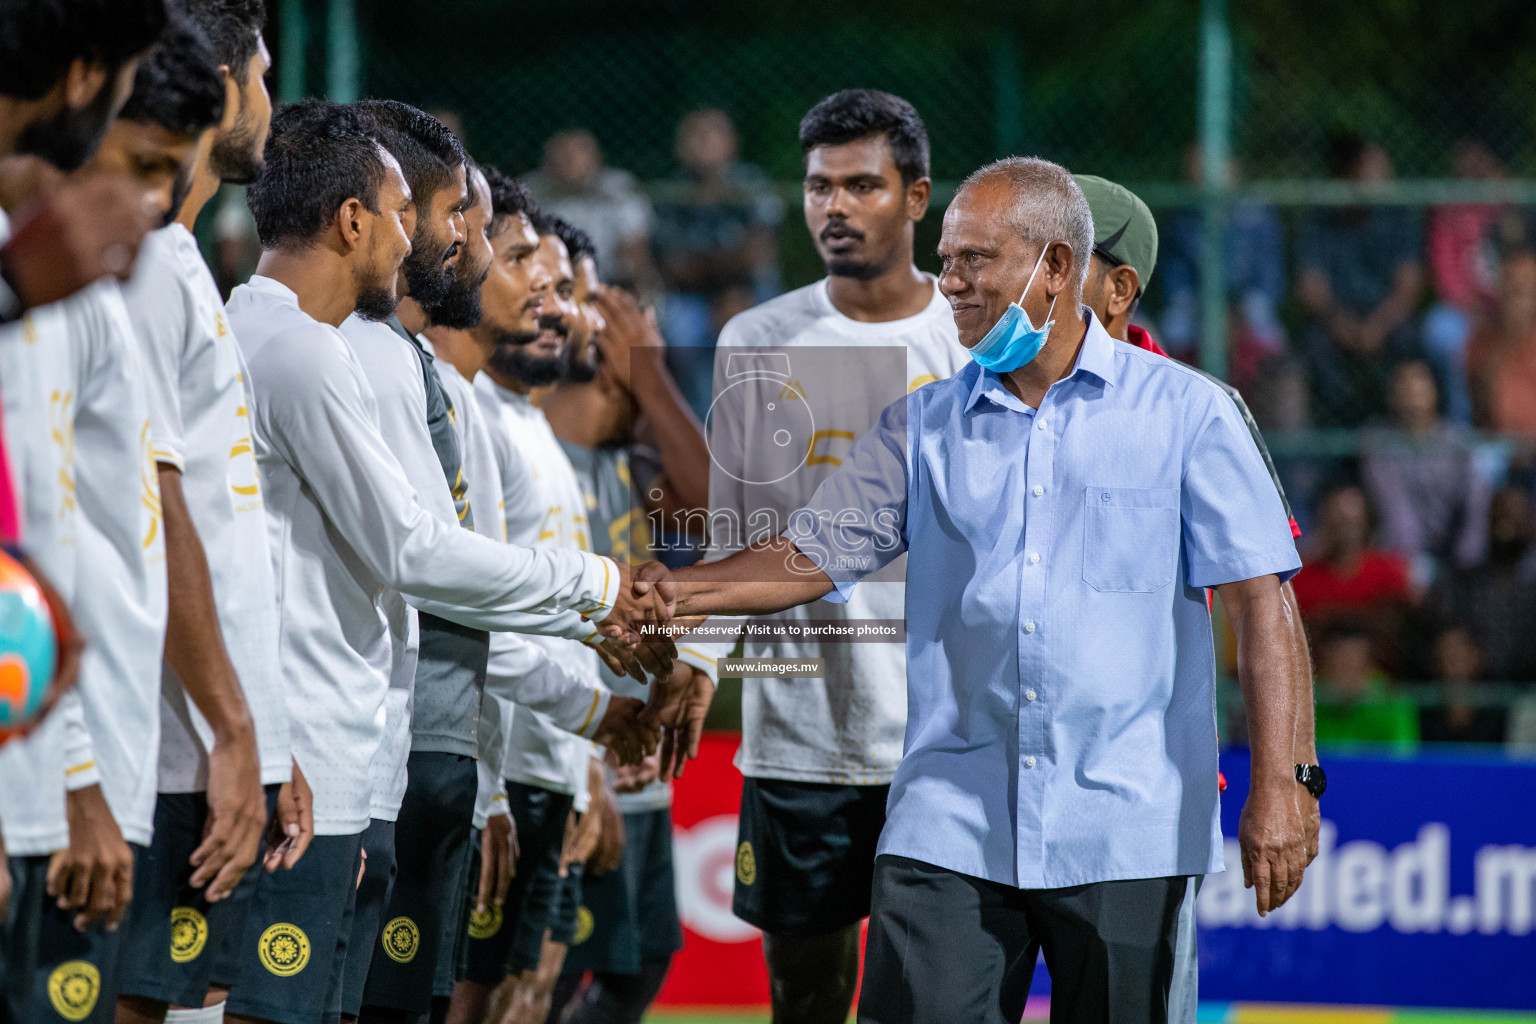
(1124, 283)
(1059, 268)
(349, 220)
(83, 82)
(232, 99)
(918, 194)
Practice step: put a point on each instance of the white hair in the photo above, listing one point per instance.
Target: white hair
(1048, 205)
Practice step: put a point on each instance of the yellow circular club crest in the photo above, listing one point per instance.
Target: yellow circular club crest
(401, 940)
(746, 864)
(189, 933)
(73, 987)
(484, 923)
(584, 926)
(284, 949)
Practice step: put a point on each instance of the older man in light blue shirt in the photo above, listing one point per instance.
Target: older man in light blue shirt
(1061, 518)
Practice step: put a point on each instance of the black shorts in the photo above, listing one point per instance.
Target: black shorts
(805, 854)
(52, 972)
(500, 938)
(175, 943)
(368, 913)
(570, 921)
(294, 946)
(632, 912)
(431, 857)
(451, 968)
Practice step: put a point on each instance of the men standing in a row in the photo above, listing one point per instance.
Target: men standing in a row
(346, 525)
(61, 944)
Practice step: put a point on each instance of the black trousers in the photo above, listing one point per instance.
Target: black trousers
(947, 947)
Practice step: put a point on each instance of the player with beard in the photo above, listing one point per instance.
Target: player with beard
(520, 670)
(819, 755)
(330, 207)
(223, 752)
(66, 69)
(435, 696)
(544, 767)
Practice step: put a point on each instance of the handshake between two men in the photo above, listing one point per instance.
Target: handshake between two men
(635, 640)
(655, 604)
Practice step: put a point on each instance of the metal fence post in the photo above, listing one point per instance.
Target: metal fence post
(343, 52)
(290, 70)
(1215, 188)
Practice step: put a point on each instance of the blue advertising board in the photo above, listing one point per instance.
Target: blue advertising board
(1423, 892)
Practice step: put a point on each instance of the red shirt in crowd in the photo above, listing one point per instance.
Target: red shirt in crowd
(1379, 577)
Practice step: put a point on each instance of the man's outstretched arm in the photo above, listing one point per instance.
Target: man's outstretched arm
(767, 577)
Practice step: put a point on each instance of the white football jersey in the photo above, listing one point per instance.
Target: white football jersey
(848, 727)
(120, 590)
(200, 422)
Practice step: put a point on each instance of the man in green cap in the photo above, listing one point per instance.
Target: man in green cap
(1124, 255)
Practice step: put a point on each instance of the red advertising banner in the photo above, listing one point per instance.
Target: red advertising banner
(721, 963)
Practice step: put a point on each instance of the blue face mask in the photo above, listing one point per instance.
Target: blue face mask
(1013, 341)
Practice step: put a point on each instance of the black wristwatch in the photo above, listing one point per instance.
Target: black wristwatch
(1311, 776)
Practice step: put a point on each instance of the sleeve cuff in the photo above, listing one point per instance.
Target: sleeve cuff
(702, 660)
(1283, 564)
(82, 775)
(602, 580)
(164, 453)
(601, 698)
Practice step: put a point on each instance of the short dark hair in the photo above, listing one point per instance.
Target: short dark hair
(577, 242)
(859, 113)
(426, 149)
(233, 27)
(319, 154)
(39, 39)
(178, 86)
(509, 197)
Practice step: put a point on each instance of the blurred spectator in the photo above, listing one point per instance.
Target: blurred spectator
(1355, 704)
(1346, 580)
(1461, 718)
(1422, 477)
(1359, 278)
(1501, 358)
(602, 201)
(1281, 404)
(1496, 601)
(715, 244)
(1253, 262)
(1462, 262)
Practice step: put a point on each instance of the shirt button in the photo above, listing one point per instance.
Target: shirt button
(1039, 491)
(1029, 762)
(1034, 559)
(1040, 424)
(1104, 496)
(1029, 627)
(1029, 694)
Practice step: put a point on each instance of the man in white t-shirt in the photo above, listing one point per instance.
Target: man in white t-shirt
(819, 754)
(346, 526)
(223, 747)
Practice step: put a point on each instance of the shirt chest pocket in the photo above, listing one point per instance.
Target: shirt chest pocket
(1130, 538)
